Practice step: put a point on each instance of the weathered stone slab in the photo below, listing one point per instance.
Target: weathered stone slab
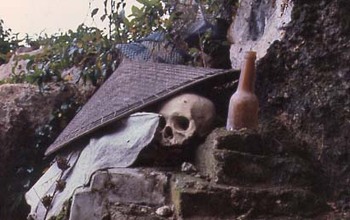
(244, 158)
(124, 186)
(195, 198)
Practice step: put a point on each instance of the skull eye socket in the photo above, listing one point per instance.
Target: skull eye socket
(181, 123)
(162, 122)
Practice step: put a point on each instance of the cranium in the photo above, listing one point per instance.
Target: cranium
(185, 116)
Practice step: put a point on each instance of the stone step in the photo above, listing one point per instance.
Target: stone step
(120, 191)
(195, 198)
(239, 158)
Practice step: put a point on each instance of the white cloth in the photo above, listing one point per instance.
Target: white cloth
(119, 148)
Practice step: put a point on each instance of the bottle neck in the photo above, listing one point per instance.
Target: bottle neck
(247, 76)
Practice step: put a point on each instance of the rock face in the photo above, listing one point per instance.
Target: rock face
(303, 83)
(245, 158)
(23, 109)
(259, 176)
(304, 89)
(256, 26)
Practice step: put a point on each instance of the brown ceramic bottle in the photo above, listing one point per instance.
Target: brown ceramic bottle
(244, 105)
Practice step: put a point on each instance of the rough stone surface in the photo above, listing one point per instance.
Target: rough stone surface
(256, 26)
(164, 211)
(245, 158)
(134, 212)
(266, 178)
(304, 88)
(195, 198)
(242, 174)
(22, 110)
(110, 192)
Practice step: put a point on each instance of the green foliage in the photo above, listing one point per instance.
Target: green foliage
(87, 48)
(149, 17)
(8, 42)
(168, 16)
(118, 22)
(93, 51)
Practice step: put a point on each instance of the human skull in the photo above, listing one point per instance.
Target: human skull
(185, 116)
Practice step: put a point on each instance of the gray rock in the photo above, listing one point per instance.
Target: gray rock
(256, 26)
(246, 158)
(188, 168)
(195, 198)
(123, 186)
(23, 109)
(164, 211)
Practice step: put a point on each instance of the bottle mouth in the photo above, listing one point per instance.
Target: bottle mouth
(250, 54)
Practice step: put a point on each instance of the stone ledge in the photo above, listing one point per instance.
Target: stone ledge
(245, 158)
(195, 198)
(119, 186)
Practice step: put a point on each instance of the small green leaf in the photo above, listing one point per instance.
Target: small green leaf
(153, 2)
(136, 11)
(141, 1)
(94, 12)
(103, 17)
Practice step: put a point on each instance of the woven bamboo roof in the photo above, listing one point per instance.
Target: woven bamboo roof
(130, 88)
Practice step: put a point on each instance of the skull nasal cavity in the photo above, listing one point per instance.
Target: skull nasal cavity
(181, 123)
(168, 132)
